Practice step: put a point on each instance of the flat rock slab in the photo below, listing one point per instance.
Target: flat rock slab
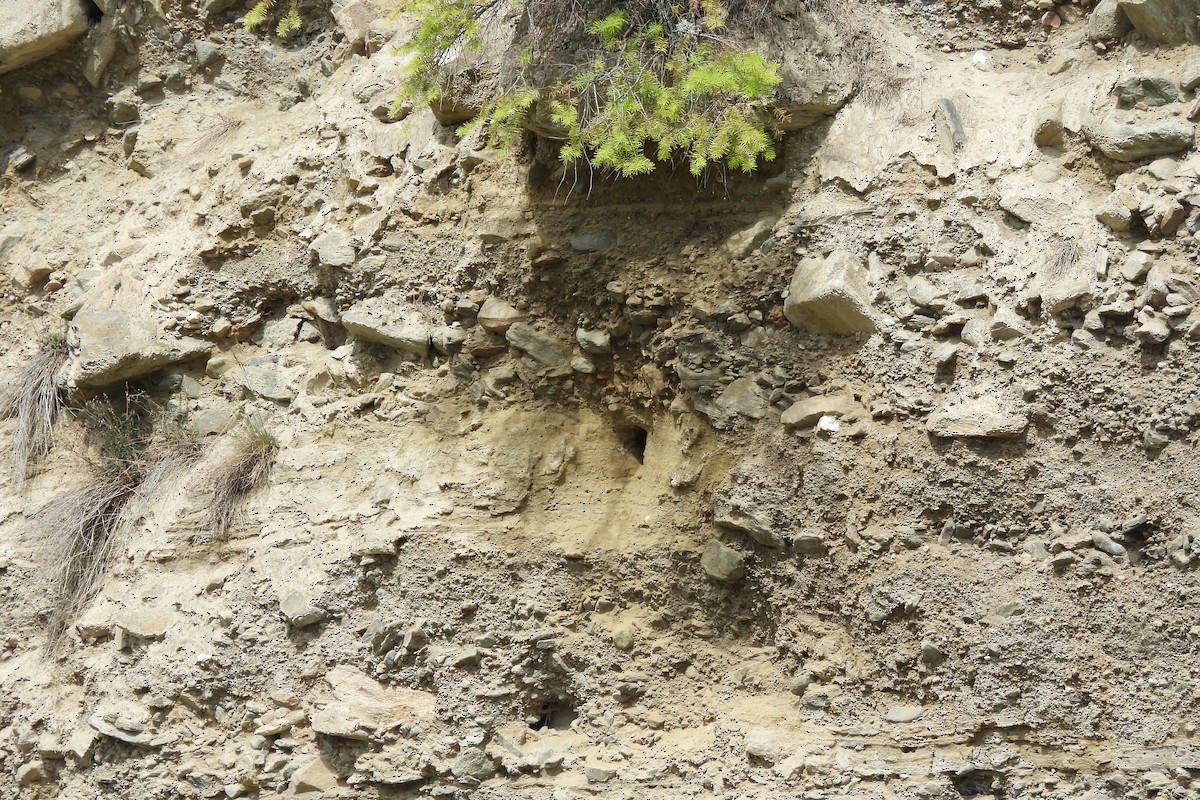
(806, 412)
(981, 418)
(391, 329)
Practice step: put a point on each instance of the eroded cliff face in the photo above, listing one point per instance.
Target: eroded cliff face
(870, 476)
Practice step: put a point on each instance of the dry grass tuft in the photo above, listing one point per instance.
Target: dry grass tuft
(138, 449)
(31, 397)
(77, 532)
(240, 472)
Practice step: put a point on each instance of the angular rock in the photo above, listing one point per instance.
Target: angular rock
(497, 316)
(723, 563)
(473, 763)
(829, 295)
(1163, 21)
(1107, 22)
(117, 336)
(1145, 140)
(768, 744)
(984, 417)
(1148, 88)
(266, 383)
(299, 611)
(752, 526)
(373, 325)
(806, 412)
(595, 343)
(144, 622)
(1189, 73)
(342, 723)
(314, 777)
(541, 347)
(31, 772)
(32, 31)
(333, 249)
(745, 242)
(744, 396)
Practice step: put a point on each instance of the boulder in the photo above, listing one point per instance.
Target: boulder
(986, 417)
(116, 335)
(1146, 140)
(314, 777)
(829, 295)
(744, 396)
(385, 326)
(1107, 22)
(1163, 21)
(32, 31)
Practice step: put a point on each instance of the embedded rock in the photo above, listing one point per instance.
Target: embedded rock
(32, 31)
(116, 335)
(723, 563)
(1135, 142)
(386, 327)
(829, 295)
(985, 417)
(1163, 21)
(540, 347)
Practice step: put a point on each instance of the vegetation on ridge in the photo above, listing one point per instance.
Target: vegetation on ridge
(661, 84)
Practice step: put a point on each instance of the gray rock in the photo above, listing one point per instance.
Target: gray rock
(593, 242)
(265, 382)
(299, 611)
(806, 412)
(745, 242)
(545, 349)
(333, 249)
(904, 713)
(32, 31)
(931, 653)
(593, 342)
(411, 336)
(474, 763)
(744, 396)
(207, 53)
(979, 418)
(1148, 88)
(749, 524)
(810, 544)
(829, 295)
(1106, 544)
(1107, 22)
(723, 563)
(1189, 73)
(497, 316)
(1163, 21)
(1135, 142)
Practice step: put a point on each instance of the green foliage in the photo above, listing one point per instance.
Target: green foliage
(288, 24)
(444, 24)
(655, 88)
